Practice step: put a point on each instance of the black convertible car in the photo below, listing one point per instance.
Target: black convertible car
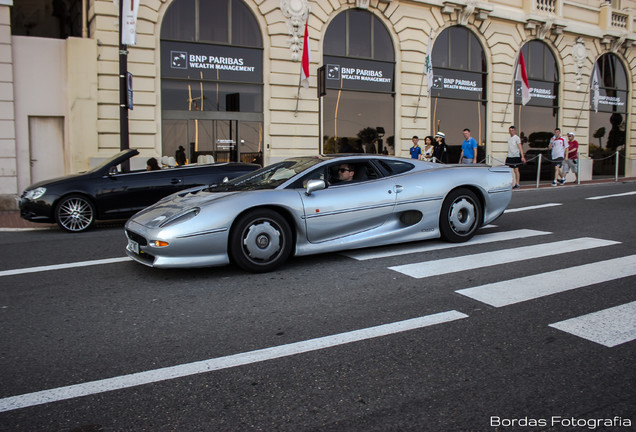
(110, 191)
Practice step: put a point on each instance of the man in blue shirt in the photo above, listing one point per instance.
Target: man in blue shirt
(416, 150)
(469, 149)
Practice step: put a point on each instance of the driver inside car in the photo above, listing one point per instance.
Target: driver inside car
(345, 173)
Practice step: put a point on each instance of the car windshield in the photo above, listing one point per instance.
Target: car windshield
(108, 161)
(268, 177)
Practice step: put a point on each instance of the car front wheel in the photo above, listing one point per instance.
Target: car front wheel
(75, 213)
(461, 216)
(260, 241)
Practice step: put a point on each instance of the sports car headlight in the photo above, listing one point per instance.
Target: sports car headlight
(181, 217)
(34, 194)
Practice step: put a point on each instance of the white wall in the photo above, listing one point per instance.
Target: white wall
(40, 90)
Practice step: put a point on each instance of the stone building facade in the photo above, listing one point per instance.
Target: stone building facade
(69, 88)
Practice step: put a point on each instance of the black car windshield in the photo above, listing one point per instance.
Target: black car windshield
(110, 161)
(268, 177)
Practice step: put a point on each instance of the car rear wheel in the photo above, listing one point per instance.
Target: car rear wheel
(260, 241)
(461, 216)
(75, 213)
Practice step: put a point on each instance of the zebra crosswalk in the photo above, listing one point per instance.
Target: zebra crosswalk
(609, 327)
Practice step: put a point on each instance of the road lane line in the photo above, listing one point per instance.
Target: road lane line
(62, 266)
(513, 291)
(515, 210)
(609, 327)
(431, 246)
(477, 261)
(179, 371)
(611, 196)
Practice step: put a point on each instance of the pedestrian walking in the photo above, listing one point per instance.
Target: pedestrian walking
(559, 147)
(571, 163)
(469, 149)
(515, 154)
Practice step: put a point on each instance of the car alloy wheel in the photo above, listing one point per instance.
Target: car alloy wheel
(461, 216)
(75, 213)
(260, 241)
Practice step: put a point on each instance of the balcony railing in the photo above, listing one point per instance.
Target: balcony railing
(546, 6)
(619, 20)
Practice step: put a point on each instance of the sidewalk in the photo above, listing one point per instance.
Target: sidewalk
(10, 220)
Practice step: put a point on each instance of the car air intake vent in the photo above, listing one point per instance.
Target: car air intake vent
(136, 237)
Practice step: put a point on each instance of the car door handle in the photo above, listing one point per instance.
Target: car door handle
(398, 188)
(175, 181)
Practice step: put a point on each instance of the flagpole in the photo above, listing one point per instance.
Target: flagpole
(298, 95)
(419, 96)
(592, 80)
(428, 69)
(512, 88)
(304, 59)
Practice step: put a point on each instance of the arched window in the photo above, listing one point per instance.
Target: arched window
(228, 22)
(608, 113)
(610, 107)
(458, 96)
(212, 80)
(537, 119)
(359, 105)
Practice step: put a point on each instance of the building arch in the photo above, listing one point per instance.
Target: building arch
(537, 119)
(359, 107)
(460, 88)
(212, 79)
(609, 111)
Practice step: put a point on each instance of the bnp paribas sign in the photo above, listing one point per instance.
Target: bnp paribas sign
(211, 62)
(357, 74)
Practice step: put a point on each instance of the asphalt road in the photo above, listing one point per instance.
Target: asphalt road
(530, 326)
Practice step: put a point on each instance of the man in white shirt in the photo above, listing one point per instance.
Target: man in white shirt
(558, 145)
(515, 154)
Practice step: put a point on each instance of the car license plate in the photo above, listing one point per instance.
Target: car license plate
(133, 246)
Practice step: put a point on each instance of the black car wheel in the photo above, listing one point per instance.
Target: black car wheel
(75, 213)
(461, 216)
(260, 241)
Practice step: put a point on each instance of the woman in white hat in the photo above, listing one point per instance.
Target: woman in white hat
(439, 152)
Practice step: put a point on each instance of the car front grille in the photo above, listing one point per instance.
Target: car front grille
(136, 237)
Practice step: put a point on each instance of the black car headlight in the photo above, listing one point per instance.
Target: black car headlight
(34, 194)
(181, 217)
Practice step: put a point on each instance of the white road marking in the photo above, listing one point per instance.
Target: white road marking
(430, 246)
(609, 327)
(515, 210)
(62, 266)
(179, 371)
(477, 261)
(612, 196)
(513, 291)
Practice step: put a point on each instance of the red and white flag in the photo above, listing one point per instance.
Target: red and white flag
(304, 70)
(522, 76)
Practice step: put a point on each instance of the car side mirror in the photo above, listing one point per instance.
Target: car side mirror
(226, 179)
(315, 185)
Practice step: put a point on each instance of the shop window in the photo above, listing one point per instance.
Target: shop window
(537, 120)
(359, 106)
(458, 96)
(212, 80)
(608, 114)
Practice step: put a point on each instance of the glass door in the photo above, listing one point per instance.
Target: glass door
(224, 140)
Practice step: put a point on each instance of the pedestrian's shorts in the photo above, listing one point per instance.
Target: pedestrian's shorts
(513, 162)
(557, 162)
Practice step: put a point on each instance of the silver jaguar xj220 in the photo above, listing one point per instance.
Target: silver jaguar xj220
(311, 205)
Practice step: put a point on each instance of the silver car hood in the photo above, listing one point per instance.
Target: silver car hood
(176, 205)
